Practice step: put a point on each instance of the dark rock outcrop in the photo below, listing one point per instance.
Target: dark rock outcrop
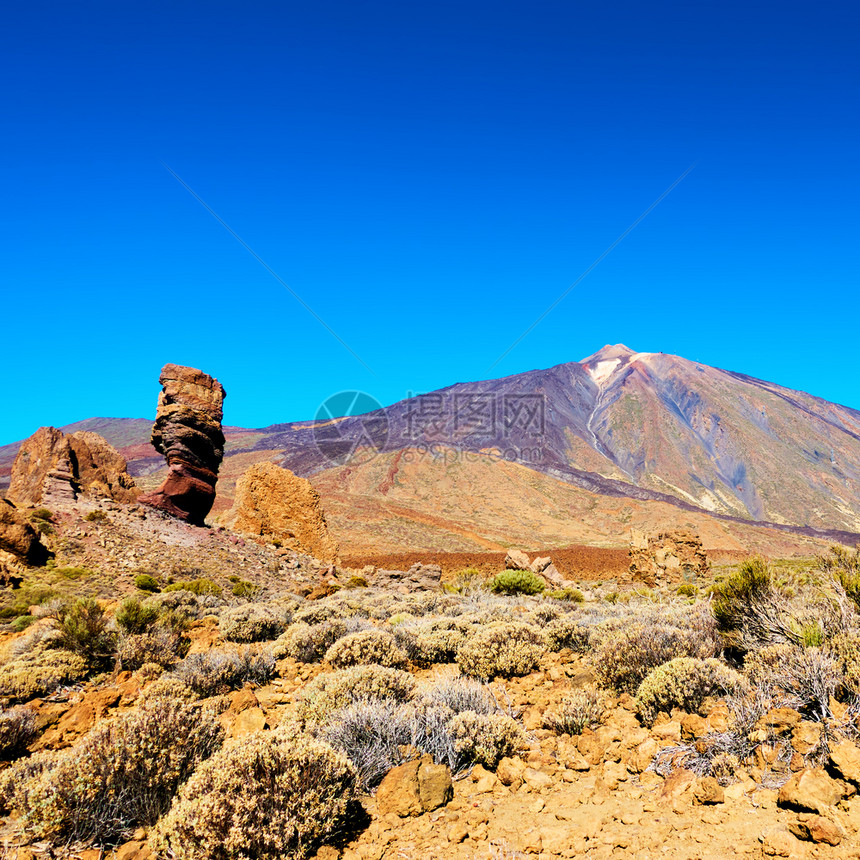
(188, 432)
(53, 468)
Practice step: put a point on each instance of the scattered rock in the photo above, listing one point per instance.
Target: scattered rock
(779, 720)
(275, 504)
(806, 736)
(187, 431)
(777, 841)
(708, 791)
(667, 557)
(419, 577)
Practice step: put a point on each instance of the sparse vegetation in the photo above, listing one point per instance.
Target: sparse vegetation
(199, 587)
(267, 796)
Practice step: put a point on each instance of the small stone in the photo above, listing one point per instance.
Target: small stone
(536, 779)
(816, 828)
(708, 791)
(779, 719)
(805, 737)
(458, 832)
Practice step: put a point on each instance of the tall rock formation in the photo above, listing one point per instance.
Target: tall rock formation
(188, 432)
(274, 503)
(52, 467)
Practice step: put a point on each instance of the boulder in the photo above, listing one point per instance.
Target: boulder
(845, 760)
(187, 431)
(53, 468)
(516, 559)
(414, 788)
(667, 557)
(811, 790)
(275, 504)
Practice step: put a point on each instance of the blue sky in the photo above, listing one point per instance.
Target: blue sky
(429, 178)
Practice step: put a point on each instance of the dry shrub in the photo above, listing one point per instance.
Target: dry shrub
(462, 694)
(332, 691)
(568, 632)
(486, 738)
(845, 648)
(366, 646)
(308, 643)
(578, 710)
(374, 734)
(17, 731)
(16, 779)
(800, 678)
(254, 622)
(123, 774)
(266, 796)
(215, 672)
(39, 672)
(163, 646)
(432, 640)
(507, 648)
(685, 683)
(624, 660)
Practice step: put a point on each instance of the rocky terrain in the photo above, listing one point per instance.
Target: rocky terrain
(578, 756)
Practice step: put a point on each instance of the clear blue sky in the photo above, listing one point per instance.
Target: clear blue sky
(429, 177)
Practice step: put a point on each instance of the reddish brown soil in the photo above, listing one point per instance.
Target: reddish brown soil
(573, 562)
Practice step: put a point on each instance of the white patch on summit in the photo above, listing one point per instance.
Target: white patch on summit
(603, 370)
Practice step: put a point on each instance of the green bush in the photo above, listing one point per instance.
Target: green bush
(266, 796)
(687, 589)
(685, 683)
(96, 517)
(507, 648)
(22, 598)
(42, 520)
(245, 588)
(22, 622)
(124, 773)
(572, 595)
(517, 582)
(366, 646)
(73, 573)
(146, 582)
(199, 587)
(134, 616)
(83, 628)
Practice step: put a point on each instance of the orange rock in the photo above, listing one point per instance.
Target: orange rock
(274, 503)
